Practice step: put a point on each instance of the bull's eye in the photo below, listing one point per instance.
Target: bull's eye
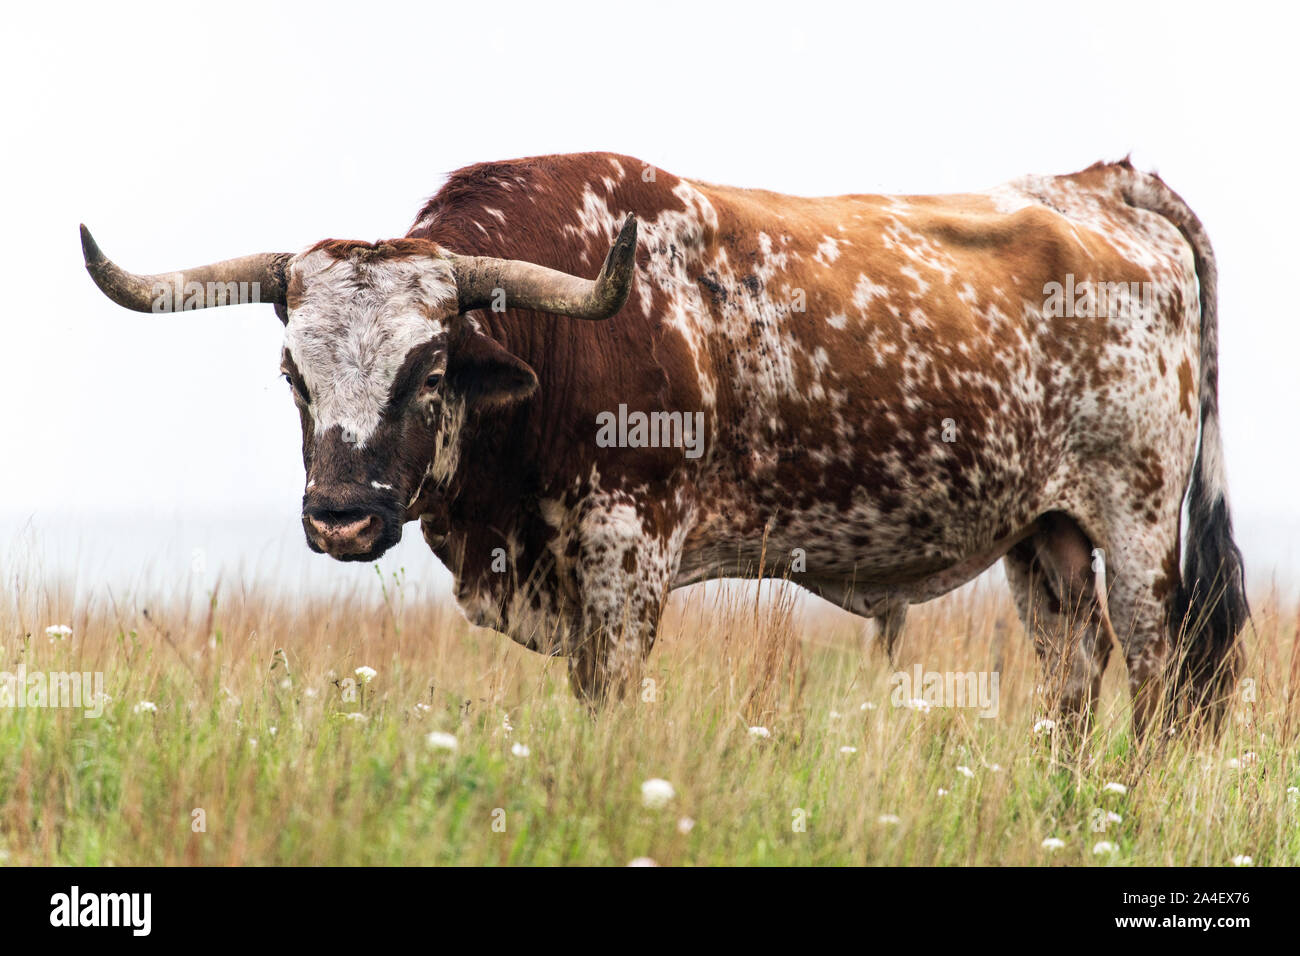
(293, 387)
(433, 380)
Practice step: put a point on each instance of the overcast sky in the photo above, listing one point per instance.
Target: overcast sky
(183, 136)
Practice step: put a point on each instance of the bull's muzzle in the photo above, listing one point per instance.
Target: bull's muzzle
(351, 534)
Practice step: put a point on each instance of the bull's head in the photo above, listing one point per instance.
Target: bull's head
(381, 359)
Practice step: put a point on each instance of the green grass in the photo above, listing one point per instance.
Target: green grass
(251, 729)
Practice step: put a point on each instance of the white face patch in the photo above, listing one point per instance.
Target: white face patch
(356, 322)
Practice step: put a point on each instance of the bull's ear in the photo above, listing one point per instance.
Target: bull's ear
(486, 374)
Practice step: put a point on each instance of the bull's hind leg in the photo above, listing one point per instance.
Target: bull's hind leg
(1143, 571)
(1054, 586)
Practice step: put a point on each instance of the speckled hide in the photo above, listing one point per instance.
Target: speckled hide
(895, 392)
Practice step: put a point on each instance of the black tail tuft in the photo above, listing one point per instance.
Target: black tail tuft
(1209, 610)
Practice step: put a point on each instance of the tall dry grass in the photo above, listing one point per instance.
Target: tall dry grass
(255, 727)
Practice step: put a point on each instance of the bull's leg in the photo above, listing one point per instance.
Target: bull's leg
(1142, 584)
(607, 661)
(623, 571)
(1053, 584)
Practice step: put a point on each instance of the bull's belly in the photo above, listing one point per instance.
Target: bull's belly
(914, 545)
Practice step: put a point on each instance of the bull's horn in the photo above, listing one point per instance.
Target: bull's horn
(530, 286)
(257, 278)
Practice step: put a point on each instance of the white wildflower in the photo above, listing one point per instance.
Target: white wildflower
(657, 792)
(58, 631)
(1053, 843)
(437, 740)
(1104, 846)
(366, 674)
(519, 750)
(145, 707)
(1113, 787)
(1242, 860)
(761, 732)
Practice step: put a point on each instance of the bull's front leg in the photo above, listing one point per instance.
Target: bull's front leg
(623, 570)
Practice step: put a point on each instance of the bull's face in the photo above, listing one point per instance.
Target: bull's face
(384, 371)
(383, 362)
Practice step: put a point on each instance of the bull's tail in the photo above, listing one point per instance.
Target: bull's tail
(1209, 607)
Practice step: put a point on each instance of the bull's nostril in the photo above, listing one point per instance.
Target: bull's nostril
(342, 530)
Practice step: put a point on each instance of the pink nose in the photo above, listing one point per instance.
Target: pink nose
(342, 532)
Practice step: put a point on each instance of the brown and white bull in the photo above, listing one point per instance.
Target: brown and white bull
(894, 393)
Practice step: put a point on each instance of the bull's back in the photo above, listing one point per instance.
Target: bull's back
(894, 376)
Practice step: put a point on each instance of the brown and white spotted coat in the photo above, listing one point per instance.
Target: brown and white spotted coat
(881, 390)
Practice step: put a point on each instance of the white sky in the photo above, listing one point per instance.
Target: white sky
(182, 136)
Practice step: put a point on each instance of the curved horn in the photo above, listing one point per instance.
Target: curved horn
(530, 286)
(261, 278)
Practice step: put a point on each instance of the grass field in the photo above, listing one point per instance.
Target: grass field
(260, 751)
